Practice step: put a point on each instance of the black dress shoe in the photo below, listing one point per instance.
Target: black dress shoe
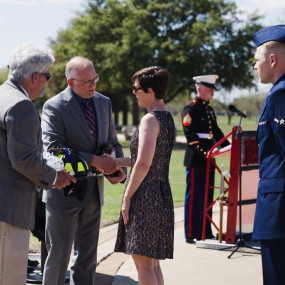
(30, 269)
(210, 236)
(32, 262)
(191, 240)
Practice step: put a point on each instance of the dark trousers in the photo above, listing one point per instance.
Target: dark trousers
(67, 226)
(273, 261)
(194, 203)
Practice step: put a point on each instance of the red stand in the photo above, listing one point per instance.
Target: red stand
(243, 156)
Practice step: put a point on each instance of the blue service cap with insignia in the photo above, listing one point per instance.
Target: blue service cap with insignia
(207, 80)
(272, 33)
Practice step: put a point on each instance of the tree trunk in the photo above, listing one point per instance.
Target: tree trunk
(125, 109)
(229, 118)
(135, 112)
(116, 117)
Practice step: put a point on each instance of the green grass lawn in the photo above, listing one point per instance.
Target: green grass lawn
(114, 193)
(177, 176)
(246, 124)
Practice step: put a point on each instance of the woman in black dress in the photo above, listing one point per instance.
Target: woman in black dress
(146, 225)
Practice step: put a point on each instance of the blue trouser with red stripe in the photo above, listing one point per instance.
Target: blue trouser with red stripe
(194, 202)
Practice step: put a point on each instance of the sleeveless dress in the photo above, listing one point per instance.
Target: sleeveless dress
(150, 229)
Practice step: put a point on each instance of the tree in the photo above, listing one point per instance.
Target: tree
(187, 37)
(250, 105)
(3, 75)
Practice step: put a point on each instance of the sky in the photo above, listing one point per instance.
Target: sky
(33, 21)
(39, 21)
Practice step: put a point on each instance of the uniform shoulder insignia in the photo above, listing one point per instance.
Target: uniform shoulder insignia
(187, 120)
(192, 103)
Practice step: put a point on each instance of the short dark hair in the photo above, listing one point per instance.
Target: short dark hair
(153, 77)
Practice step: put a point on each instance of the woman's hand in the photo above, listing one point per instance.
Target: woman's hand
(125, 209)
(121, 175)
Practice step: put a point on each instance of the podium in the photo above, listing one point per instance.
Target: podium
(241, 189)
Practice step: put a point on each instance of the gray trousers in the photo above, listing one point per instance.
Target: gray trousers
(65, 225)
(14, 250)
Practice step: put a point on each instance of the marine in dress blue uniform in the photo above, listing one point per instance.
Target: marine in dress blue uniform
(269, 223)
(201, 129)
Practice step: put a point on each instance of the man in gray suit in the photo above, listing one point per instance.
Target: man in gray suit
(80, 119)
(22, 169)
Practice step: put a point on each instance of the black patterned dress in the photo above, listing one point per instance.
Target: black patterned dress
(150, 229)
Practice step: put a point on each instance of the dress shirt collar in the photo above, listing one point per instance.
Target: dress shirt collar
(77, 97)
(26, 93)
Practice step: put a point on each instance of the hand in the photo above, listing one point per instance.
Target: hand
(103, 155)
(117, 179)
(63, 179)
(215, 150)
(106, 164)
(125, 209)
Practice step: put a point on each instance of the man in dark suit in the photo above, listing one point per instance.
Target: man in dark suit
(81, 119)
(269, 223)
(200, 129)
(22, 169)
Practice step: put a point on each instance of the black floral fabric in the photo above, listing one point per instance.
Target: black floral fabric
(150, 230)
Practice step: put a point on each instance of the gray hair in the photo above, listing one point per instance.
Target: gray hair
(75, 64)
(28, 58)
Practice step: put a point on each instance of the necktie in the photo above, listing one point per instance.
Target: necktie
(89, 117)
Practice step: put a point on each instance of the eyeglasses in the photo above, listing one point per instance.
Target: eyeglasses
(136, 88)
(47, 75)
(95, 79)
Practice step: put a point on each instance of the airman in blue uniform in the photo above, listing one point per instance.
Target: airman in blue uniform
(201, 129)
(269, 223)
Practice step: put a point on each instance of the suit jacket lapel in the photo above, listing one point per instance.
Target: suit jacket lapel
(96, 103)
(74, 109)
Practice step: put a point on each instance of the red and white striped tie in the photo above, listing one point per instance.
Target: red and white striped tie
(89, 117)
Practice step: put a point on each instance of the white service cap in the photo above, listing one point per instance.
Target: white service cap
(207, 80)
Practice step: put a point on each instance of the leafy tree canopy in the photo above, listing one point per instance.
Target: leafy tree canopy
(3, 75)
(186, 37)
(251, 105)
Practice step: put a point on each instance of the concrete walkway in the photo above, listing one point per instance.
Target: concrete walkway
(194, 265)
(191, 264)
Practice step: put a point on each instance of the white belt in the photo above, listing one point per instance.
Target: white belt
(205, 136)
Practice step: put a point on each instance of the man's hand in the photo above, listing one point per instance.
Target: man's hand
(119, 178)
(63, 179)
(106, 164)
